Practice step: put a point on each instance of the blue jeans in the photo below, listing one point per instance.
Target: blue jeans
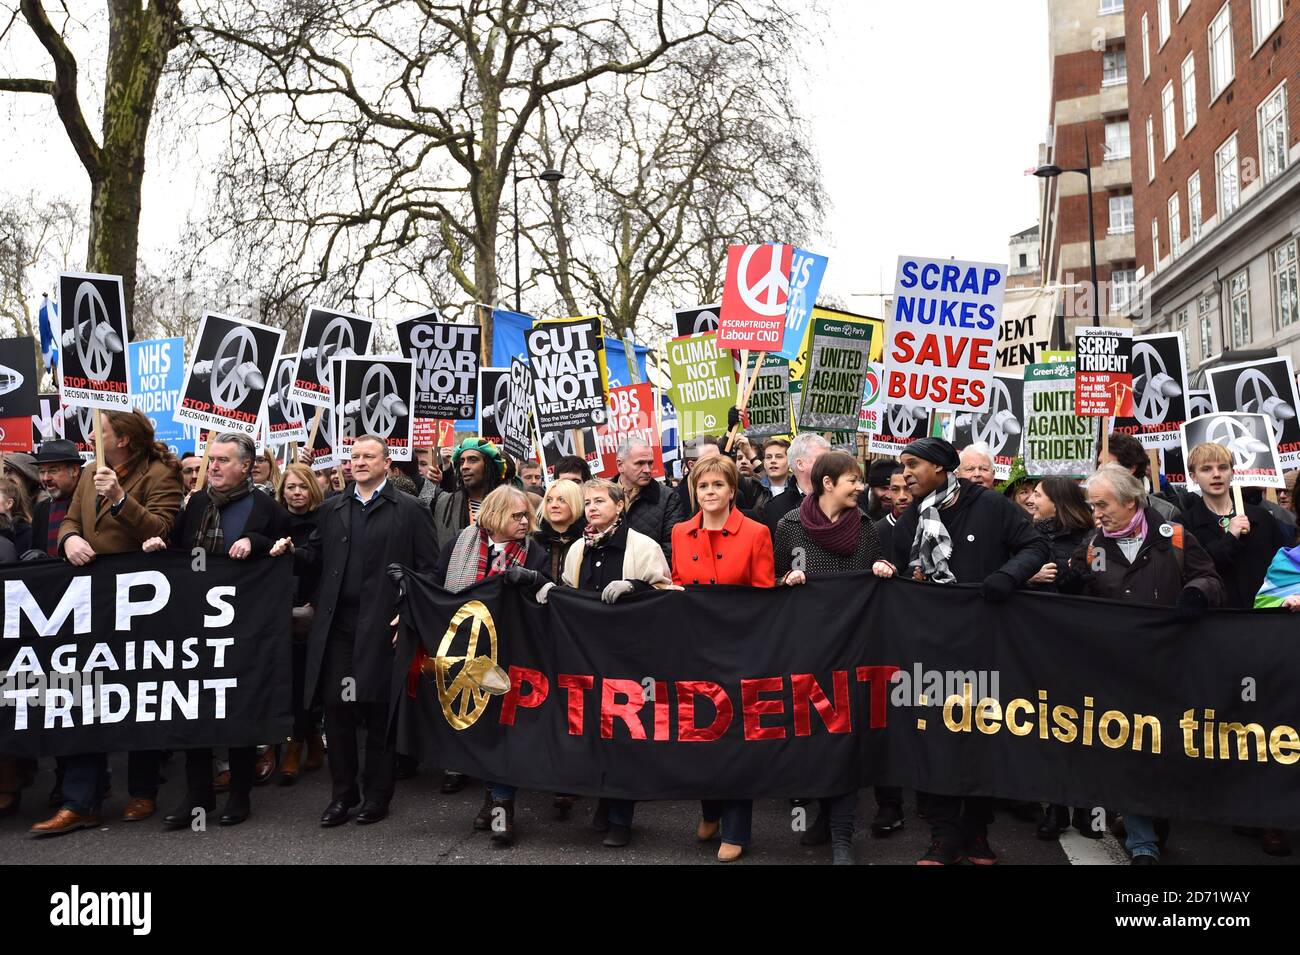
(1140, 836)
(501, 792)
(620, 812)
(84, 778)
(736, 815)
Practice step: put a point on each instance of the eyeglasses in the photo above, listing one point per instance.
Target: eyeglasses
(521, 517)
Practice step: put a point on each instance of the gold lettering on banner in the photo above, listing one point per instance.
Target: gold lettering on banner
(461, 695)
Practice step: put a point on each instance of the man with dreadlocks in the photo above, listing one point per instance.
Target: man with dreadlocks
(956, 531)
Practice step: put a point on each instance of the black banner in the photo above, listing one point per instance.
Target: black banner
(446, 365)
(731, 692)
(144, 651)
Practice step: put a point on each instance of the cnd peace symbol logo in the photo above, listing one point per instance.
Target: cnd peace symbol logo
(767, 296)
(466, 679)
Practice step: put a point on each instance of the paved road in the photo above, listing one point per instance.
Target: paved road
(426, 827)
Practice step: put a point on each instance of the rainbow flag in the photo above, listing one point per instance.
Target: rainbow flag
(1282, 579)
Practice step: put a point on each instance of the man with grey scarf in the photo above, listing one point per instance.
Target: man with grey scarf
(230, 517)
(957, 532)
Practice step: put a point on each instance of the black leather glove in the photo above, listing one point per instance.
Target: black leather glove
(733, 417)
(1191, 603)
(397, 574)
(997, 587)
(517, 576)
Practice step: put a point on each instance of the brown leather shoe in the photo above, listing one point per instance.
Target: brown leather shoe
(264, 768)
(707, 830)
(315, 753)
(221, 782)
(65, 820)
(138, 809)
(290, 764)
(729, 852)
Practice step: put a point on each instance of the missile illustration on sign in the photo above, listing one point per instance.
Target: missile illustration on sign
(100, 334)
(246, 371)
(10, 380)
(1255, 393)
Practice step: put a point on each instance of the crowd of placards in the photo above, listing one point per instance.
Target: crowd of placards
(776, 442)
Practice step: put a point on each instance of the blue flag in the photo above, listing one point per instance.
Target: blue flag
(49, 317)
(806, 271)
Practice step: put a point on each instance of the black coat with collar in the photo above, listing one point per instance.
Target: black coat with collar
(1240, 561)
(267, 523)
(781, 505)
(399, 532)
(654, 512)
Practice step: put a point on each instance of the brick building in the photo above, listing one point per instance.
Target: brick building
(1215, 105)
(1022, 254)
(1090, 63)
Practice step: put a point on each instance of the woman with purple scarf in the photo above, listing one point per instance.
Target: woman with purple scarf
(828, 534)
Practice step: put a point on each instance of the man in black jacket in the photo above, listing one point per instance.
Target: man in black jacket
(653, 509)
(804, 451)
(959, 532)
(228, 516)
(350, 652)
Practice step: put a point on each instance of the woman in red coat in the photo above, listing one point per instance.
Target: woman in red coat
(719, 545)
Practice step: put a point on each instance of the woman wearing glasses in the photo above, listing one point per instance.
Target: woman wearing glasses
(495, 543)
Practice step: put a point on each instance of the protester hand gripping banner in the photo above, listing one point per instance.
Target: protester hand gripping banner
(18, 386)
(900, 425)
(226, 380)
(1159, 370)
(768, 411)
(1025, 331)
(1264, 387)
(631, 415)
(93, 339)
(942, 335)
(754, 297)
(568, 382)
(285, 423)
(515, 431)
(1249, 438)
(148, 653)
(326, 335)
(696, 320)
(832, 393)
(157, 374)
(703, 384)
(806, 272)
(1103, 375)
(869, 416)
(376, 397)
(1000, 427)
(1057, 441)
(770, 718)
(446, 360)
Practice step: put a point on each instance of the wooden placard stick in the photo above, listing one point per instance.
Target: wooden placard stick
(99, 440)
(315, 427)
(1238, 503)
(747, 383)
(203, 465)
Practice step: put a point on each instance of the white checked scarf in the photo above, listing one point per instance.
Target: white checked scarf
(932, 546)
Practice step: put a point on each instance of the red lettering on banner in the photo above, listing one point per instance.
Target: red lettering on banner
(687, 731)
(576, 684)
(538, 689)
(753, 709)
(805, 690)
(627, 711)
(878, 677)
(662, 728)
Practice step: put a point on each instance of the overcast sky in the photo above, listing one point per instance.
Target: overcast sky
(926, 115)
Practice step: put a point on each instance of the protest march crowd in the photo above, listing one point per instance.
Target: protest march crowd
(774, 513)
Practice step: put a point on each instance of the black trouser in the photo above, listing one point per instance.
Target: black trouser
(342, 721)
(841, 814)
(955, 820)
(889, 796)
(306, 720)
(198, 773)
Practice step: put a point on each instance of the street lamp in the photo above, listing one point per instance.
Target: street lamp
(1051, 171)
(546, 175)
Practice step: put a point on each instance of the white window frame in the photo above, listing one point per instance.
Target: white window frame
(1122, 283)
(1111, 6)
(1278, 96)
(1162, 23)
(1290, 274)
(1187, 73)
(1224, 207)
(1169, 118)
(1121, 224)
(1155, 244)
(1174, 206)
(1205, 321)
(1194, 207)
(1219, 83)
(1182, 7)
(1265, 17)
(1239, 308)
(1128, 146)
(1146, 47)
(1118, 51)
(1151, 151)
